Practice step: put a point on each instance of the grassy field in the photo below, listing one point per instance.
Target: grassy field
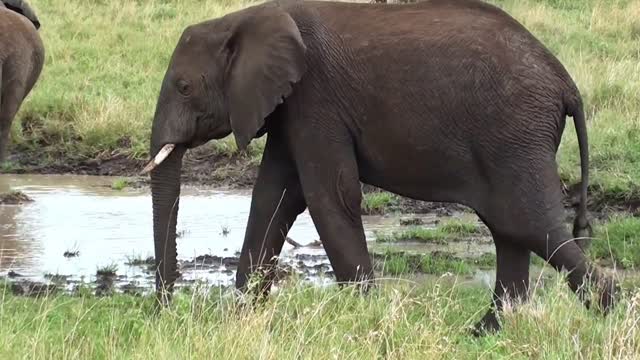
(393, 322)
(96, 97)
(104, 65)
(105, 61)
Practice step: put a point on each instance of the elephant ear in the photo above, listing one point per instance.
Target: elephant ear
(22, 8)
(267, 57)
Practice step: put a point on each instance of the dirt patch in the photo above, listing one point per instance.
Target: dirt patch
(201, 166)
(211, 261)
(603, 202)
(33, 289)
(206, 166)
(14, 198)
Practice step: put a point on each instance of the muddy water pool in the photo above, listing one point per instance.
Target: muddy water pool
(110, 228)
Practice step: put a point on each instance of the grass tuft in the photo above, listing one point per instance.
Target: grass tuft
(378, 202)
(434, 263)
(120, 184)
(447, 231)
(107, 270)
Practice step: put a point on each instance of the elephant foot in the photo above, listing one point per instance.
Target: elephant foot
(487, 325)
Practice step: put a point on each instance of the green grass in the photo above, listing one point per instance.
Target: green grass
(435, 263)
(7, 167)
(618, 242)
(399, 321)
(107, 270)
(105, 61)
(450, 230)
(120, 184)
(440, 264)
(378, 202)
(104, 65)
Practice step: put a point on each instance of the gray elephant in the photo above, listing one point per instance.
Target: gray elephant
(443, 100)
(22, 8)
(21, 61)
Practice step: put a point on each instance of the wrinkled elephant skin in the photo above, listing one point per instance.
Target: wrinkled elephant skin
(21, 61)
(450, 101)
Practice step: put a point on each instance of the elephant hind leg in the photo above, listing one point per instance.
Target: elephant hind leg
(10, 100)
(526, 213)
(565, 254)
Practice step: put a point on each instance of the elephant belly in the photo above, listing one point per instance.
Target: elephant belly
(430, 171)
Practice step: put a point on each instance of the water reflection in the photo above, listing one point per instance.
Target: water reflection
(83, 213)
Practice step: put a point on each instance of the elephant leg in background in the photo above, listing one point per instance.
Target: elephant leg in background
(332, 189)
(535, 223)
(4, 127)
(276, 202)
(10, 100)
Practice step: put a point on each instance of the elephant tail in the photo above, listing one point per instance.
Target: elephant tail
(582, 230)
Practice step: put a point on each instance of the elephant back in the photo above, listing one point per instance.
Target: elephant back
(22, 8)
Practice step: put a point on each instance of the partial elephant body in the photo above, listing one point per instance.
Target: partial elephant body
(22, 8)
(430, 105)
(443, 100)
(21, 61)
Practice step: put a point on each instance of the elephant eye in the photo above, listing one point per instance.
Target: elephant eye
(184, 87)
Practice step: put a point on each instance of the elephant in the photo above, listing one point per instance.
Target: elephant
(21, 62)
(441, 100)
(22, 8)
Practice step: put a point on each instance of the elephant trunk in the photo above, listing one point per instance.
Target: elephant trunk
(165, 191)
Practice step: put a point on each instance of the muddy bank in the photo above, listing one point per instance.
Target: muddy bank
(14, 198)
(201, 166)
(389, 265)
(214, 270)
(206, 166)
(603, 201)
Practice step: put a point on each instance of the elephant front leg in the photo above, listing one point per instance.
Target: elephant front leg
(276, 202)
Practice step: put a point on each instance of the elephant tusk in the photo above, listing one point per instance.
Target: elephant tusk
(160, 157)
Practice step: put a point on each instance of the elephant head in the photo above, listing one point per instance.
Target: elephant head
(225, 75)
(21, 7)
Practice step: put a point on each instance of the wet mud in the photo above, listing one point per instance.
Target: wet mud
(210, 270)
(205, 166)
(202, 166)
(14, 198)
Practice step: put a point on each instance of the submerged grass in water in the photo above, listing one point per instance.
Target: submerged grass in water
(378, 202)
(435, 263)
(400, 321)
(448, 231)
(108, 270)
(120, 184)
